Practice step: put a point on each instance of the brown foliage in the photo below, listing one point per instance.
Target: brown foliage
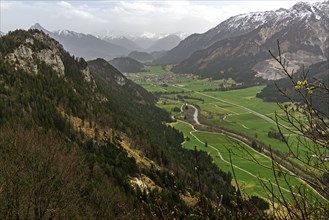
(38, 176)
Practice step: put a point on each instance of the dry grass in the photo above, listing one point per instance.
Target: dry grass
(141, 160)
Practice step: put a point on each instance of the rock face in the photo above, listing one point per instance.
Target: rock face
(22, 57)
(120, 80)
(38, 48)
(53, 59)
(25, 58)
(86, 75)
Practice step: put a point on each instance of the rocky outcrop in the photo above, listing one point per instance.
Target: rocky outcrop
(51, 58)
(86, 74)
(51, 43)
(88, 77)
(25, 58)
(22, 58)
(120, 80)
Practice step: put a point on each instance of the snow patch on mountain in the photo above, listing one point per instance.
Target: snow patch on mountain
(69, 33)
(249, 20)
(301, 11)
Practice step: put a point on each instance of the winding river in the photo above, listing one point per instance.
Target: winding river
(196, 114)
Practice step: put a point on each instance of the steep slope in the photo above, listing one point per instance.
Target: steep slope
(302, 31)
(127, 65)
(225, 59)
(79, 140)
(85, 45)
(165, 43)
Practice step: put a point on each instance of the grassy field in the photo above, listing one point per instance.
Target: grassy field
(236, 110)
(251, 176)
(241, 112)
(158, 79)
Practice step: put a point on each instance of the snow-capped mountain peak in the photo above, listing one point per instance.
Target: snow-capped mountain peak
(311, 16)
(301, 11)
(305, 10)
(303, 32)
(249, 20)
(68, 33)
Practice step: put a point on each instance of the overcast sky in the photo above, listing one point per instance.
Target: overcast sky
(127, 17)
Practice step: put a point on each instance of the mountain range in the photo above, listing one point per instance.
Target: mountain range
(85, 45)
(165, 43)
(238, 47)
(92, 47)
(145, 44)
(123, 42)
(80, 140)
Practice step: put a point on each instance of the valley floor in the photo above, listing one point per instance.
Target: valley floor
(236, 112)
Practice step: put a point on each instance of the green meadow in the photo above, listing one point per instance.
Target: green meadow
(251, 169)
(239, 111)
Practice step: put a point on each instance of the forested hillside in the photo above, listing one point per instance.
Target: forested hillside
(282, 91)
(79, 140)
(127, 64)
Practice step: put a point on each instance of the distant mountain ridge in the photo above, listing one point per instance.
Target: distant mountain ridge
(123, 42)
(146, 44)
(127, 65)
(303, 31)
(141, 56)
(107, 47)
(165, 43)
(234, 26)
(85, 45)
